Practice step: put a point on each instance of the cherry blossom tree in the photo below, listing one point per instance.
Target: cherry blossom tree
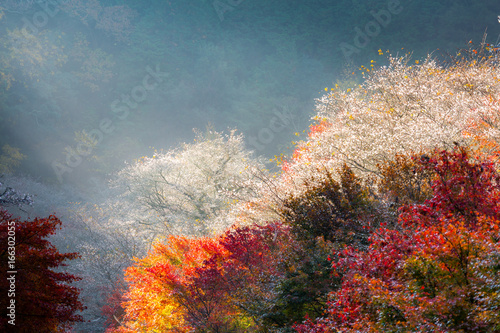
(190, 190)
(408, 105)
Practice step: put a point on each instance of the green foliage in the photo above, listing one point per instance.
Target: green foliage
(10, 159)
(303, 290)
(95, 65)
(335, 211)
(402, 181)
(326, 215)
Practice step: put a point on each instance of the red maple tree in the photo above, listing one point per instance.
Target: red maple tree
(36, 293)
(439, 271)
(220, 284)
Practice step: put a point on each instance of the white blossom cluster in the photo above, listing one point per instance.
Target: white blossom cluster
(191, 190)
(404, 107)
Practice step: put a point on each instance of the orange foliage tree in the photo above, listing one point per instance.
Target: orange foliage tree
(224, 283)
(156, 281)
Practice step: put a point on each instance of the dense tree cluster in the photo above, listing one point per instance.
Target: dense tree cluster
(407, 106)
(386, 216)
(361, 231)
(433, 269)
(63, 63)
(438, 272)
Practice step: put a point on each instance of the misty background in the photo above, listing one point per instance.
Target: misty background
(86, 86)
(230, 64)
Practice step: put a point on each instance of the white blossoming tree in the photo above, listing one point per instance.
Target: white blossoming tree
(191, 190)
(407, 106)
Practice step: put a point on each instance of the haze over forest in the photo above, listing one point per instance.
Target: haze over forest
(230, 66)
(91, 91)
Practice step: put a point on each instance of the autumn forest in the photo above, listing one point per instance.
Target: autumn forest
(249, 166)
